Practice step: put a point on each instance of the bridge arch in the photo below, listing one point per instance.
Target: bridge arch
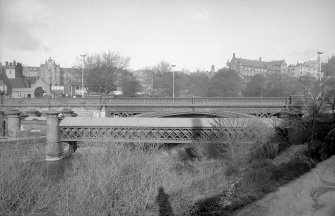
(225, 114)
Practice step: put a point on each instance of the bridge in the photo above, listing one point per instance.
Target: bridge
(156, 107)
(153, 130)
(156, 126)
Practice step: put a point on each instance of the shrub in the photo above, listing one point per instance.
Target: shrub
(23, 188)
(125, 181)
(238, 138)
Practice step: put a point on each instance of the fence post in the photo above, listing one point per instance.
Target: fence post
(13, 121)
(54, 148)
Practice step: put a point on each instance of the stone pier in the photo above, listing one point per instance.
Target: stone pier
(54, 148)
(13, 121)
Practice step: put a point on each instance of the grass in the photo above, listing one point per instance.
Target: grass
(24, 190)
(215, 178)
(114, 180)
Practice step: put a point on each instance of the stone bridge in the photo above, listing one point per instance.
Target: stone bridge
(156, 107)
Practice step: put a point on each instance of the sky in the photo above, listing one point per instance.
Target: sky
(191, 34)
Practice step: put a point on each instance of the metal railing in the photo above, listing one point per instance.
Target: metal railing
(157, 101)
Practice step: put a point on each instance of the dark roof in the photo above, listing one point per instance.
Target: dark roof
(274, 63)
(32, 79)
(18, 83)
(251, 63)
(34, 69)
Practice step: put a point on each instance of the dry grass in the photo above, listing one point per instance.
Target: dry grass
(112, 179)
(24, 189)
(125, 181)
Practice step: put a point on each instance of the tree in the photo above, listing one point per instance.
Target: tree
(271, 85)
(102, 71)
(255, 86)
(225, 83)
(162, 82)
(129, 85)
(197, 84)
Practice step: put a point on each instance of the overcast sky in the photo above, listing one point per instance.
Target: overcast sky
(193, 34)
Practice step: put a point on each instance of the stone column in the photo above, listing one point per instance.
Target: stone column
(54, 148)
(1, 97)
(13, 121)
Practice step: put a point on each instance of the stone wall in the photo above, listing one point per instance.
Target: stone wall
(23, 148)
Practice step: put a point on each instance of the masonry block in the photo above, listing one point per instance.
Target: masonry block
(13, 121)
(54, 148)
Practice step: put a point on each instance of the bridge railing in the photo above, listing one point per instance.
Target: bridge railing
(241, 101)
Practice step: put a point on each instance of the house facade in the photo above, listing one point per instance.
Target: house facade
(329, 68)
(308, 68)
(247, 68)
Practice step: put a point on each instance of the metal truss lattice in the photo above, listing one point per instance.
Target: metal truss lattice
(140, 134)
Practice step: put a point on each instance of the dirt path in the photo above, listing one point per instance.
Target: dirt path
(313, 194)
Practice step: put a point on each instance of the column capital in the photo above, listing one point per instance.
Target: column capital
(33, 112)
(13, 113)
(66, 112)
(52, 113)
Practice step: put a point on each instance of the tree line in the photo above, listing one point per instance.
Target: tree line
(108, 72)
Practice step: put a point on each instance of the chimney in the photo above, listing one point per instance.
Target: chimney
(260, 58)
(14, 62)
(233, 55)
(6, 63)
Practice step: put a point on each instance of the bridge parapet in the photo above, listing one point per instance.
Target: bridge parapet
(232, 101)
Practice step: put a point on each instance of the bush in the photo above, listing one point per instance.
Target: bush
(237, 139)
(23, 188)
(125, 181)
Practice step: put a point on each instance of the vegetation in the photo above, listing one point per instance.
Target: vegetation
(272, 85)
(102, 71)
(208, 178)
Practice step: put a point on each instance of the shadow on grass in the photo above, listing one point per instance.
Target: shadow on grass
(165, 208)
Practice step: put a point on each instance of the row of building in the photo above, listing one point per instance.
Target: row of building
(247, 67)
(20, 81)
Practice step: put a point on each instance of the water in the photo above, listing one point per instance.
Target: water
(55, 170)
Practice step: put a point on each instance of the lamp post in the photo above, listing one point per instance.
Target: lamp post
(173, 79)
(82, 76)
(319, 58)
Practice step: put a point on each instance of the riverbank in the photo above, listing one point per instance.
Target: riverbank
(310, 194)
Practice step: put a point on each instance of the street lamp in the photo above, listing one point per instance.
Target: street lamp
(82, 76)
(173, 79)
(319, 58)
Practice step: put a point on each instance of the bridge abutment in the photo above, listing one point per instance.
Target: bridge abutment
(53, 148)
(13, 121)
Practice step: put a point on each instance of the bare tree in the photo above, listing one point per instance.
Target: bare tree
(103, 70)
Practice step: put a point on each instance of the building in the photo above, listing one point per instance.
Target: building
(20, 81)
(247, 68)
(329, 67)
(51, 73)
(14, 84)
(308, 68)
(278, 66)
